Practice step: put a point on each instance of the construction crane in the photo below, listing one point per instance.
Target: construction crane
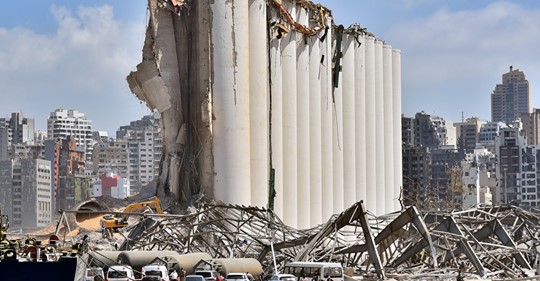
(110, 222)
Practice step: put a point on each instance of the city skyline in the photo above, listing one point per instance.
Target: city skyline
(73, 55)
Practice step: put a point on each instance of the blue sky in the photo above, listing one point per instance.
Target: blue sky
(76, 54)
(454, 52)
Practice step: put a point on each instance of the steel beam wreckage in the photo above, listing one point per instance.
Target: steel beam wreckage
(492, 242)
(485, 242)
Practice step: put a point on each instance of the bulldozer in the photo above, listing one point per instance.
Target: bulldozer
(112, 223)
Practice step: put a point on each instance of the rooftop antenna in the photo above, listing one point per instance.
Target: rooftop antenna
(462, 117)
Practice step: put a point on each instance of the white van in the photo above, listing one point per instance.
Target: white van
(155, 272)
(120, 273)
(316, 271)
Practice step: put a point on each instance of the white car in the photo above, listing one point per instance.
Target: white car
(209, 275)
(120, 273)
(94, 274)
(239, 277)
(282, 277)
(155, 272)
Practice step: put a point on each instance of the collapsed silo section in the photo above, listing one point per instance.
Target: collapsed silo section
(243, 265)
(187, 262)
(138, 259)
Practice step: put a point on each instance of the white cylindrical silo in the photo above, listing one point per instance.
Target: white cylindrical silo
(326, 124)
(388, 130)
(360, 127)
(258, 88)
(290, 151)
(396, 104)
(379, 128)
(315, 168)
(302, 106)
(371, 143)
(230, 41)
(276, 127)
(337, 131)
(349, 134)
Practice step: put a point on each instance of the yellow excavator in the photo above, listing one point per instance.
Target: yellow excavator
(110, 222)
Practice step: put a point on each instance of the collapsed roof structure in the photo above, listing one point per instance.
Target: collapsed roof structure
(487, 242)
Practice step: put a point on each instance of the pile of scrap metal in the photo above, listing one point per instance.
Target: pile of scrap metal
(490, 242)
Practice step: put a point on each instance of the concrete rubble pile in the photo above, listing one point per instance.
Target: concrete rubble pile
(490, 242)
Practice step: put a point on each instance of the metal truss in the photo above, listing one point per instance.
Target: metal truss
(495, 242)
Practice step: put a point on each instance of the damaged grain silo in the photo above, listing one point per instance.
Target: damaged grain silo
(252, 89)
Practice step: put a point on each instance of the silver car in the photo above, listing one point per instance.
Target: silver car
(282, 277)
(195, 278)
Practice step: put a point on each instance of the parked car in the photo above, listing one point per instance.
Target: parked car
(282, 277)
(195, 278)
(209, 275)
(94, 274)
(239, 277)
(154, 272)
(120, 273)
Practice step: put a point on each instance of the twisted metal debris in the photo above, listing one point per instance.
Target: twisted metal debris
(488, 242)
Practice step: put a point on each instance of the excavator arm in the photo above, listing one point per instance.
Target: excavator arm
(112, 222)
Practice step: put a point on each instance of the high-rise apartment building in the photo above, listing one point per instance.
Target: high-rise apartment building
(71, 168)
(531, 126)
(25, 192)
(488, 134)
(407, 130)
(416, 174)
(15, 130)
(509, 146)
(478, 175)
(145, 143)
(468, 133)
(63, 123)
(111, 156)
(429, 131)
(512, 98)
(428, 161)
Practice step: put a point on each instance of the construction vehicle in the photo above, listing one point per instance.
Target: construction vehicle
(111, 223)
